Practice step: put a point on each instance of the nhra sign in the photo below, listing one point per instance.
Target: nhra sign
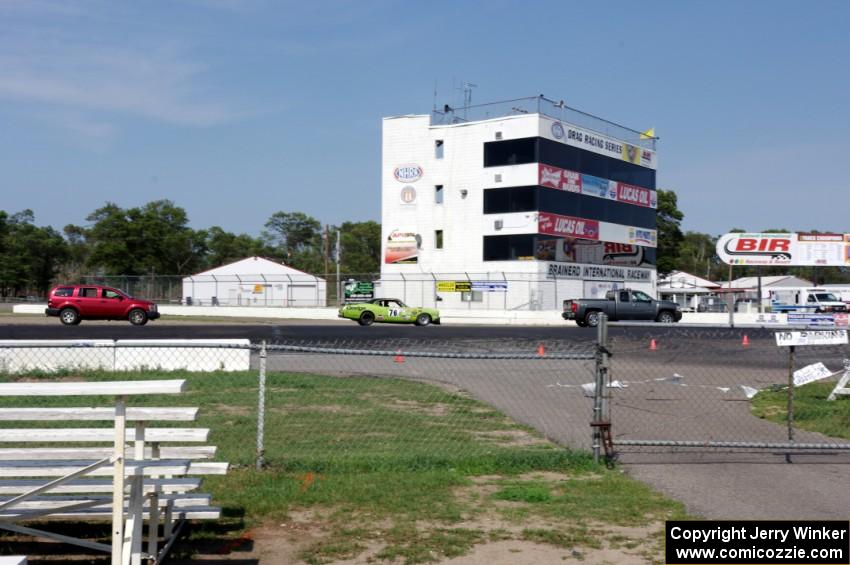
(567, 226)
(802, 249)
(408, 173)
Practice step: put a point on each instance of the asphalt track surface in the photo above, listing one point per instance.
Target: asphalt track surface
(689, 388)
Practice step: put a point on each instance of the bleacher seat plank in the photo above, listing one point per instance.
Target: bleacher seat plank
(43, 502)
(19, 486)
(190, 513)
(101, 434)
(62, 467)
(93, 388)
(165, 452)
(81, 414)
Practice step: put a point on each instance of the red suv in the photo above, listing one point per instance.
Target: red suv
(73, 303)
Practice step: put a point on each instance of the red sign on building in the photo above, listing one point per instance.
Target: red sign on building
(567, 226)
(635, 195)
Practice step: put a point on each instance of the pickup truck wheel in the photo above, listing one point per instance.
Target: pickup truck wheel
(138, 317)
(666, 317)
(69, 317)
(592, 318)
(423, 320)
(366, 319)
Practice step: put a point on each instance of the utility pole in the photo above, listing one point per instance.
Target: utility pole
(338, 261)
(327, 249)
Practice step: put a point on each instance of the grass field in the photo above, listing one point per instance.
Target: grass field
(406, 470)
(812, 411)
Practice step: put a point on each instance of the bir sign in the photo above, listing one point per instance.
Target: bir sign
(804, 249)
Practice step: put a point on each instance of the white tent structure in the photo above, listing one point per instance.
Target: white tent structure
(685, 289)
(254, 281)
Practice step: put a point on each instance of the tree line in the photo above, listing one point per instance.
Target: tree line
(156, 239)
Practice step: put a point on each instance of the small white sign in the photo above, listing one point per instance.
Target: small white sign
(769, 319)
(810, 374)
(819, 337)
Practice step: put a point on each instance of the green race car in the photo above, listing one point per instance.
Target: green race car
(389, 310)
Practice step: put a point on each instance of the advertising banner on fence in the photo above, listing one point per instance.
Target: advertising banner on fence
(490, 286)
(454, 286)
(359, 291)
(469, 286)
(803, 249)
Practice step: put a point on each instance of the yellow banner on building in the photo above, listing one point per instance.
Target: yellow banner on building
(631, 154)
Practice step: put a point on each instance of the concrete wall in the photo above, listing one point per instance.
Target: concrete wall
(448, 315)
(17, 356)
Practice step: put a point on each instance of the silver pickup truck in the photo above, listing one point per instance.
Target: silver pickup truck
(621, 304)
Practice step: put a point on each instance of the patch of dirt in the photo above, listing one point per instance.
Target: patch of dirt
(518, 552)
(280, 544)
(511, 438)
(230, 410)
(436, 409)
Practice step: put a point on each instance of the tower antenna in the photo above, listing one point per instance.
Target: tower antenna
(467, 96)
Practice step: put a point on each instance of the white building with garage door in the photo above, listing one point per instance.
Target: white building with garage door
(254, 281)
(515, 205)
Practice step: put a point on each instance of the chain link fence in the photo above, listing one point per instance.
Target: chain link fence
(321, 405)
(674, 387)
(474, 291)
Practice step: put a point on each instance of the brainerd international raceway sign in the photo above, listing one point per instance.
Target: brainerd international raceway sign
(803, 249)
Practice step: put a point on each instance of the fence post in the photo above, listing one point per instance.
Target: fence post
(261, 409)
(599, 404)
(791, 363)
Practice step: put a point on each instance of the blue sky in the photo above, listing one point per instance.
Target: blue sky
(237, 109)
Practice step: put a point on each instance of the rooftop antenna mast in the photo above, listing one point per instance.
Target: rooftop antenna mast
(435, 95)
(467, 96)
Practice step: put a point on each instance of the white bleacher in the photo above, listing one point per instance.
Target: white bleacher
(131, 478)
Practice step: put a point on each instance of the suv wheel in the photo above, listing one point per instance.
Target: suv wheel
(69, 317)
(138, 317)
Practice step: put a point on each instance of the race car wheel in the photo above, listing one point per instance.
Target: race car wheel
(69, 317)
(366, 319)
(665, 317)
(138, 317)
(423, 320)
(592, 318)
